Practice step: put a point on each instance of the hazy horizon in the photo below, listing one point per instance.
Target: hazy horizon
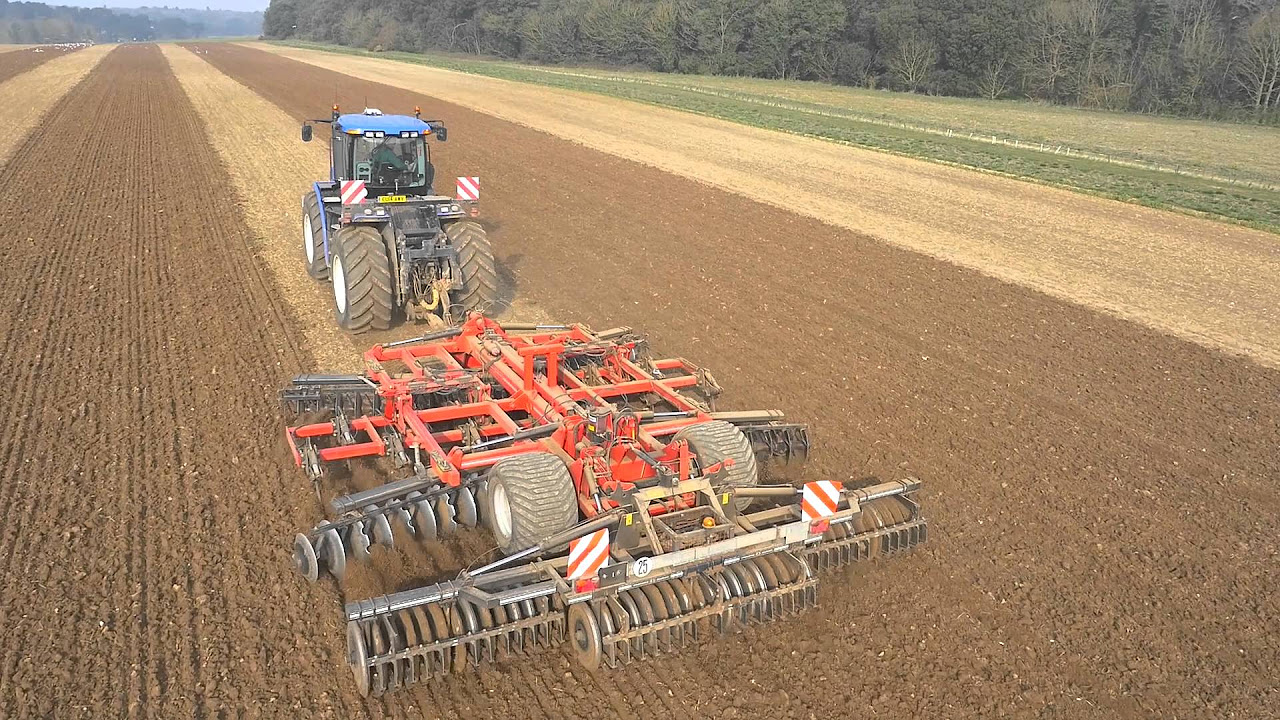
(241, 5)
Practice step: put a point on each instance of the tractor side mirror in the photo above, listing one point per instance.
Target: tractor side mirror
(442, 133)
(306, 133)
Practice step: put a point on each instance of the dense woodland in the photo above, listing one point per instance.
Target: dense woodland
(32, 22)
(1198, 57)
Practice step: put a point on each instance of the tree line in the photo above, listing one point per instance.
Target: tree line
(1195, 57)
(37, 23)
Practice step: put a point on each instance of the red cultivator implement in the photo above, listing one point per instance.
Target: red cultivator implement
(630, 513)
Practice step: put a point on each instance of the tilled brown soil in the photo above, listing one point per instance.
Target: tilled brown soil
(1102, 496)
(143, 489)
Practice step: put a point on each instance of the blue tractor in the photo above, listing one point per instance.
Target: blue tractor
(378, 230)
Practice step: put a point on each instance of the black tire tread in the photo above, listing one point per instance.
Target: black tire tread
(368, 276)
(479, 291)
(541, 494)
(717, 440)
(318, 269)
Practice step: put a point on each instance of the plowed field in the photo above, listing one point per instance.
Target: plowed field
(1102, 496)
(141, 512)
(1074, 461)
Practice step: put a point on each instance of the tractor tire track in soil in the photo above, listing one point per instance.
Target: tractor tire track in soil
(1102, 496)
(143, 492)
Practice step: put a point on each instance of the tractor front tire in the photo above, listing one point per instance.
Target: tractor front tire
(313, 237)
(362, 289)
(479, 291)
(528, 499)
(716, 441)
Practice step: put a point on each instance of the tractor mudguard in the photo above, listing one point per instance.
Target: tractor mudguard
(318, 188)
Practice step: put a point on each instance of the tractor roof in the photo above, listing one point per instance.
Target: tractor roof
(363, 122)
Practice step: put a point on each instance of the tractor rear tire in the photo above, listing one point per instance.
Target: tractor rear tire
(313, 237)
(479, 291)
(529, 498)
(362, 288)
(716, 441)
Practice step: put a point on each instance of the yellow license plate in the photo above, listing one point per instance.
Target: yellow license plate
(392, 198)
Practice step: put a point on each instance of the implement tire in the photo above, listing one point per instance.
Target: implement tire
(362, 290)
(715, 441)
(479, 291)
(313, 237)
(529, 498)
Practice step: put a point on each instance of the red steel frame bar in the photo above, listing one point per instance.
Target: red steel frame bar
(510, 359)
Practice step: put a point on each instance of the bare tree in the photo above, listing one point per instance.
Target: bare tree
(1090, 20)
(994, 81)
(914, 59)
(453, 33)
(1047, 65)
(1258, 69)
(1201, 46)
(726, 18)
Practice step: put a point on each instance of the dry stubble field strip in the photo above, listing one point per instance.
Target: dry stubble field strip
(268, 184)
(16, 62)
(26, 98)
(140, 509)
(1102, 494)
(1197, 279)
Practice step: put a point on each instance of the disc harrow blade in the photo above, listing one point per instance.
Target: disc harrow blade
(415, 644)
(415, 517)
(887, 526)
(668, 615)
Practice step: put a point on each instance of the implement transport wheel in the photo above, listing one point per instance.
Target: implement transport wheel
(584, 635)
(313, 237)
(362, 298)
(531, 497)
(479, 291)
(716, 441)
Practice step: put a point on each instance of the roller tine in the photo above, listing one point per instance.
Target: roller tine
(542, 632)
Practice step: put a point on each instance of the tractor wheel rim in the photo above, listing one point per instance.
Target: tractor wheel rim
(339, 284)
(308, 239)
(501, 511)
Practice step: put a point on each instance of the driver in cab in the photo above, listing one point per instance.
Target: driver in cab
(384, 155)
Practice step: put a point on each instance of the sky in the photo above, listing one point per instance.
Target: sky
(194, 4)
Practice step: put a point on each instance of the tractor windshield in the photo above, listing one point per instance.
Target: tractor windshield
(391, 162)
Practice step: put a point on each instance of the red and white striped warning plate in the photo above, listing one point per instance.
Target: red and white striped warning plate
(588, 554)
(820, 499)
(468, 188)
(353, 191)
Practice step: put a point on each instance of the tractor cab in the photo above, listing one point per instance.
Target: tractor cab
(388, 152)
